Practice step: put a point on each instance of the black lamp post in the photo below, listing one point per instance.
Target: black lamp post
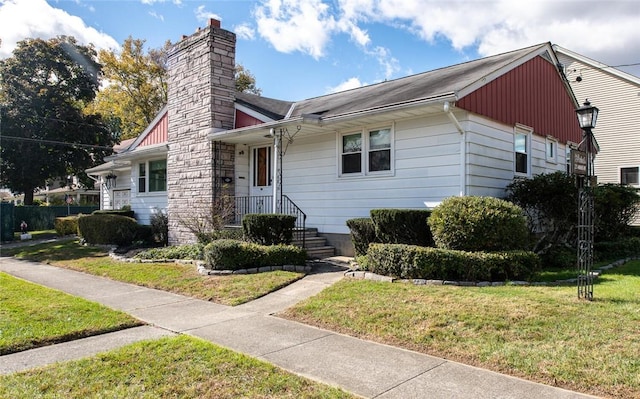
(587, 116)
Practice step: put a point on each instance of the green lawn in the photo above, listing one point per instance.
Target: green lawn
(177, 278)
(177, 367)
(543, 334)
(32, 316)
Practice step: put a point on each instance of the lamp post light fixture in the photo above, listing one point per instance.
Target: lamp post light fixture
(587, 117)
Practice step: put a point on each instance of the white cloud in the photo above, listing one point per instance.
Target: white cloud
(244, 31)
(18, 21)
(296, 25)
(156, 15)
(203, 15)
(351, 83)
(152, 2)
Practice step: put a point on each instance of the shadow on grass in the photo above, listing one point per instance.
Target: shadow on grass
(64, 249)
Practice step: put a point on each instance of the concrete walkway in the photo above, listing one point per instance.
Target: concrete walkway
(365, 368)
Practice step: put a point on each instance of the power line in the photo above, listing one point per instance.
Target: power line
(62, 143)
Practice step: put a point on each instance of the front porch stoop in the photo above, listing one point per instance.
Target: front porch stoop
(315, 245)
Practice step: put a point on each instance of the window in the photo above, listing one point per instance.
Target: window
(379, 150)
(142, 177)
(629, 176)
(158, 175)
(352, 153)
(152, 176)
(262, 167)
(366, 153)
(552, 146)
(521, 150)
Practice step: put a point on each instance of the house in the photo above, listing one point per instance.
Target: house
(467, 129)
(617, 96)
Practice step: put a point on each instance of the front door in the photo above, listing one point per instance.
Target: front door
(261, 171)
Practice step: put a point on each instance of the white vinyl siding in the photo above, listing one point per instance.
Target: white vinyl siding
(144, 203)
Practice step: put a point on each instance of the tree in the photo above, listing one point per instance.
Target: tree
(245, 81)
(44, 133)
(136, 86)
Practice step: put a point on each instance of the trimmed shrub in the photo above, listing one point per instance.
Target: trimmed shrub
(235, 255)
(277, 255)
(187, 251)
(610, 250)
(402, 226)
(107, 229)
(224, 234)
(66, 225)
(615, 208)
(362, 234)
(479, 224)
(416, 262)
(122, 212)
(144, 235)
(268, 229)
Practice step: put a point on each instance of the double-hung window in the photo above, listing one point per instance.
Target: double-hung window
(522, 151)
(152, 176)
(367, 152)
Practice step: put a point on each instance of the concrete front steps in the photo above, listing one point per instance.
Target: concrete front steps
(315, 245)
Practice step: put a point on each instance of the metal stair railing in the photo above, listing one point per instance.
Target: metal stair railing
(264, 204)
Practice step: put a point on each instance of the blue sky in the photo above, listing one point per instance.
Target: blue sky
(299, 49)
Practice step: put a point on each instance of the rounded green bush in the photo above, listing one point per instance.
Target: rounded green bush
(478, 224)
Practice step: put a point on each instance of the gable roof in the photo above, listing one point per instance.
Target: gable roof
(404, 97)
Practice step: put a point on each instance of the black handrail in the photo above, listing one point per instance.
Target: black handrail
(264, 204)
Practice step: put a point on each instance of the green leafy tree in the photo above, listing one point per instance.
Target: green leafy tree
(135, 86)
(45, 133)
(245, 81)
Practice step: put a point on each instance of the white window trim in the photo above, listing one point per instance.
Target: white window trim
(136, 179)
(551, 141)
(528, 132)
(364, 159)
(628, 167)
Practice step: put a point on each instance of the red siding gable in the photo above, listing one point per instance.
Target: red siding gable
(532, 94)
(158, 134)
(244, 120)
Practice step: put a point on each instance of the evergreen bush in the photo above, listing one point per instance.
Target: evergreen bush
(402, 226)
(107, 229)
(479, 224)
(234, 255)
(363, 233)
(417, 262)
(268, 229)
(66, 225)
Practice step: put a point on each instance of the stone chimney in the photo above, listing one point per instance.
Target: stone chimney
(201, 95)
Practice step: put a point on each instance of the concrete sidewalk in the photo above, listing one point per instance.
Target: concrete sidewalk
(365, 368)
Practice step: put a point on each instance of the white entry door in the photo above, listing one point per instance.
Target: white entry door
(261, 171)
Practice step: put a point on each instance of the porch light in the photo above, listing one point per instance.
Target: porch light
(587, 115)
(110, 180)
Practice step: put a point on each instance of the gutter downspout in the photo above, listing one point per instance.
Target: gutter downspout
(276, 165)
(463, 147)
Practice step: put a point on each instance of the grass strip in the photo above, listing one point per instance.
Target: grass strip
(181, 279)
(174, 367)
(33, 316)
(543, 334)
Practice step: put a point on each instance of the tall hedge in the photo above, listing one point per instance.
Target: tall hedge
(402, 226)
(268, 229)
(362, 234)
(479, 224)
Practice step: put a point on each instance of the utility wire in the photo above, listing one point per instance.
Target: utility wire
(62, 143)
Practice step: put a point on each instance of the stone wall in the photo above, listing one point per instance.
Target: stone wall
(201, 95)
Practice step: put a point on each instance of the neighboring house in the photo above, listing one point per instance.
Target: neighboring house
(136, 175)
(617, 96)
(467, 129)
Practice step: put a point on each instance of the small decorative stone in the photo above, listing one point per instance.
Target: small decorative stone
(435, 282)
(289, 268)
(253, 270)
(484, 284)
(264, 269)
